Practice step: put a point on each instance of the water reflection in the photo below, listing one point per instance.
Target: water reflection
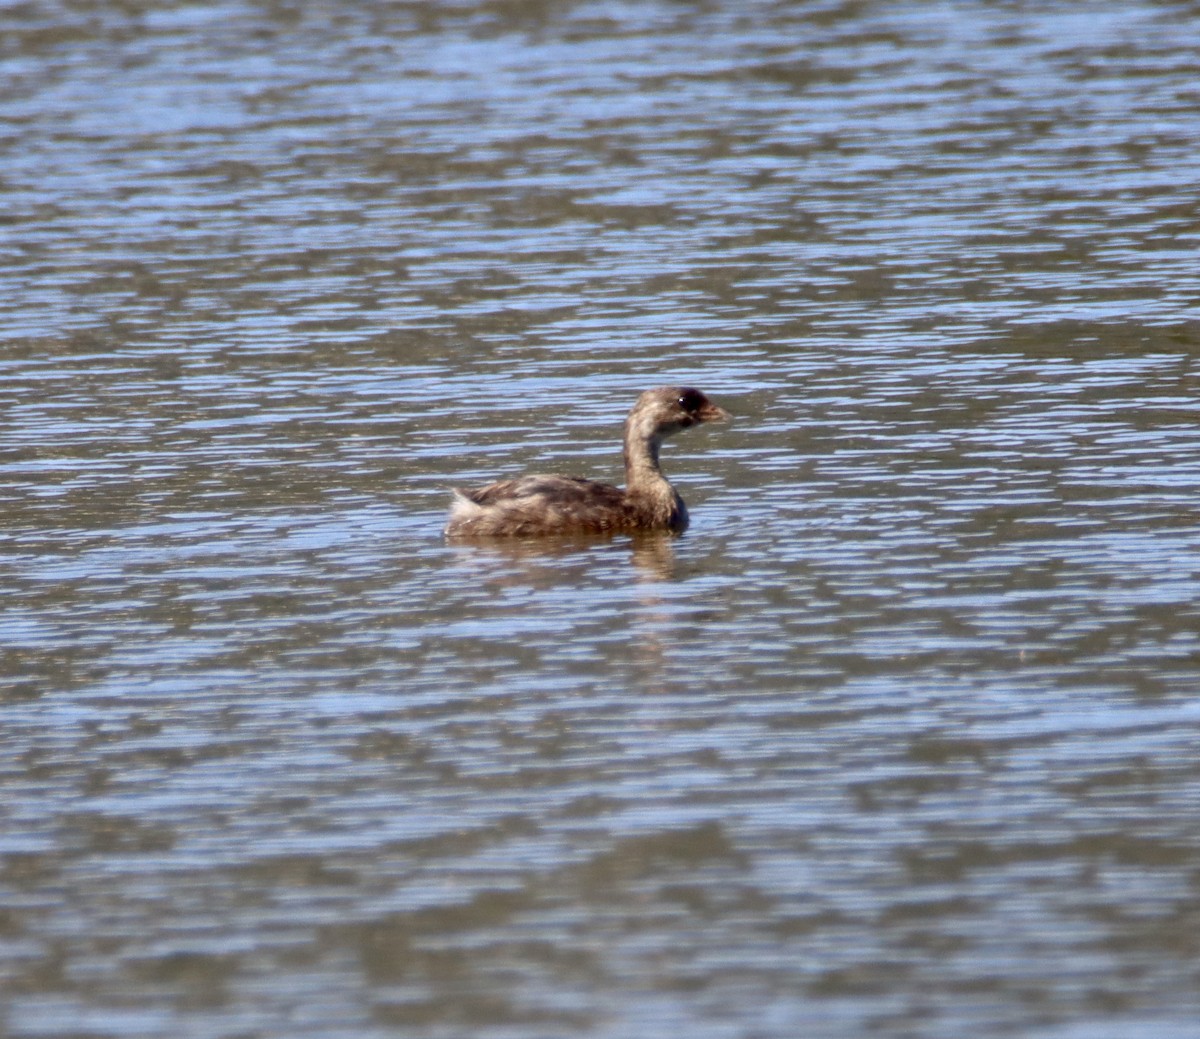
(540, 562)
(583, 580)
(899, 737)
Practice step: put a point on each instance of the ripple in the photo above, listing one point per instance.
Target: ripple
(899, 736)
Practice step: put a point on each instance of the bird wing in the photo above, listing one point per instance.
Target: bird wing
(564, 491)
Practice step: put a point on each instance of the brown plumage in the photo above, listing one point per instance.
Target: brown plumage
(533, 506)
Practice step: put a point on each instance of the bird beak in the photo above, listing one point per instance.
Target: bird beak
(709, 412)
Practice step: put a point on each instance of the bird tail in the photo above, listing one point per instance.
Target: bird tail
(462, 511)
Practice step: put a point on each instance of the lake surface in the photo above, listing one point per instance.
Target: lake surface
(899, 739)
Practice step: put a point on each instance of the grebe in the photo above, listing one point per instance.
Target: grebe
(532, 506)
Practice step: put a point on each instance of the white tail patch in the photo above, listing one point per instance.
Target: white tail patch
(462, 510)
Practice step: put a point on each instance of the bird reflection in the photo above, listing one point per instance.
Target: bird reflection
(562, 564)
(538, 562)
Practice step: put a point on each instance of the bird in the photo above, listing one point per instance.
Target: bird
(543, 505)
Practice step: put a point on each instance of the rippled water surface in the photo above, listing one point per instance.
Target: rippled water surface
(899, 739)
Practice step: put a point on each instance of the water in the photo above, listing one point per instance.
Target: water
(899, 739)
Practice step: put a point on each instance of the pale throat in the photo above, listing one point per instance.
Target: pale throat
(642, 469)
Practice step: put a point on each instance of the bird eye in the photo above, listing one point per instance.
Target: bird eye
(691, 400)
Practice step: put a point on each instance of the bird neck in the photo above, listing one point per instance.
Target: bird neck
(642, 471)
